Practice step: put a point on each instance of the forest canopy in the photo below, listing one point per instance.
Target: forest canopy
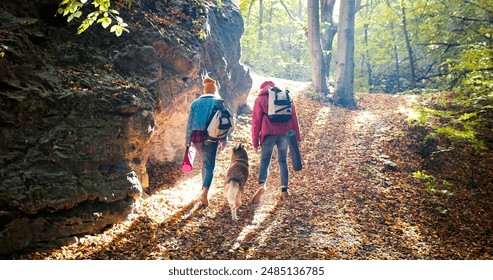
(401, 45)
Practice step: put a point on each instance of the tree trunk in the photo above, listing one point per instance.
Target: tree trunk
(344, 92)
(329, 31)
(368, 62)
(318, 75)
(408, 46)
(395, 51)
(397, 69)
(260, 21)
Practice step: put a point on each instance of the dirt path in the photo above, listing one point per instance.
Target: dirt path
(354, 199)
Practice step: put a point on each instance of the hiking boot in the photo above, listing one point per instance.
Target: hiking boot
(258, 194)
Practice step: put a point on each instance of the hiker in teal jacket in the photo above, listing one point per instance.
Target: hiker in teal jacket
(200, 112)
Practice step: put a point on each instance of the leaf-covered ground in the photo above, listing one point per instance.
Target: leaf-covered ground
(355, 198)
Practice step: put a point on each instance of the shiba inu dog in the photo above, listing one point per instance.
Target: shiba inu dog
(236, 177)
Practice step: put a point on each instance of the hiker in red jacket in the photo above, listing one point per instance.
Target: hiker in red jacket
(269, 134)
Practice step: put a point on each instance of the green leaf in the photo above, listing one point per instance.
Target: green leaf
(82, 28)
(421, 175)
(74, 15)
(105, 21)
(118, 30)
(72, 9)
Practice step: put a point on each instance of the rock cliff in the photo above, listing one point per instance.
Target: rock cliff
(82, 116)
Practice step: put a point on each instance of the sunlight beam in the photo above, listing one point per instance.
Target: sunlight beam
(263, 211)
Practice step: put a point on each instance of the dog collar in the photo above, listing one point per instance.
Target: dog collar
(242, 160)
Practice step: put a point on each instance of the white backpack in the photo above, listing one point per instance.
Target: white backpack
(279, 107)
(219, 124)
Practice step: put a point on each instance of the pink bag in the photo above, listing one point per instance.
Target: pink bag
(187, 163)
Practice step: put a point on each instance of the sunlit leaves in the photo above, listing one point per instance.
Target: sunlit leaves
(444, 120)
(421, 175)
(2, 51)
(105, 20)
(76, 14)
(119, 27)
(433, 185)
(102, 14)
(440, 32)
(88, 21)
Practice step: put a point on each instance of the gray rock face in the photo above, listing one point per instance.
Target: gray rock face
(81, 117)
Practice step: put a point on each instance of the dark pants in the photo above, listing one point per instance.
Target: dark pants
(282, 143)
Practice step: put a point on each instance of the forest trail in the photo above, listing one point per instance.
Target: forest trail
(355, 198)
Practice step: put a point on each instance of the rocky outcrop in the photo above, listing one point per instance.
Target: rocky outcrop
(81, 117)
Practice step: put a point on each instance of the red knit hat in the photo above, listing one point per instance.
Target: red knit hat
(266, 84)
(209, 85)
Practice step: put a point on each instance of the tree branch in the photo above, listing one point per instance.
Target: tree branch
(289, 13)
